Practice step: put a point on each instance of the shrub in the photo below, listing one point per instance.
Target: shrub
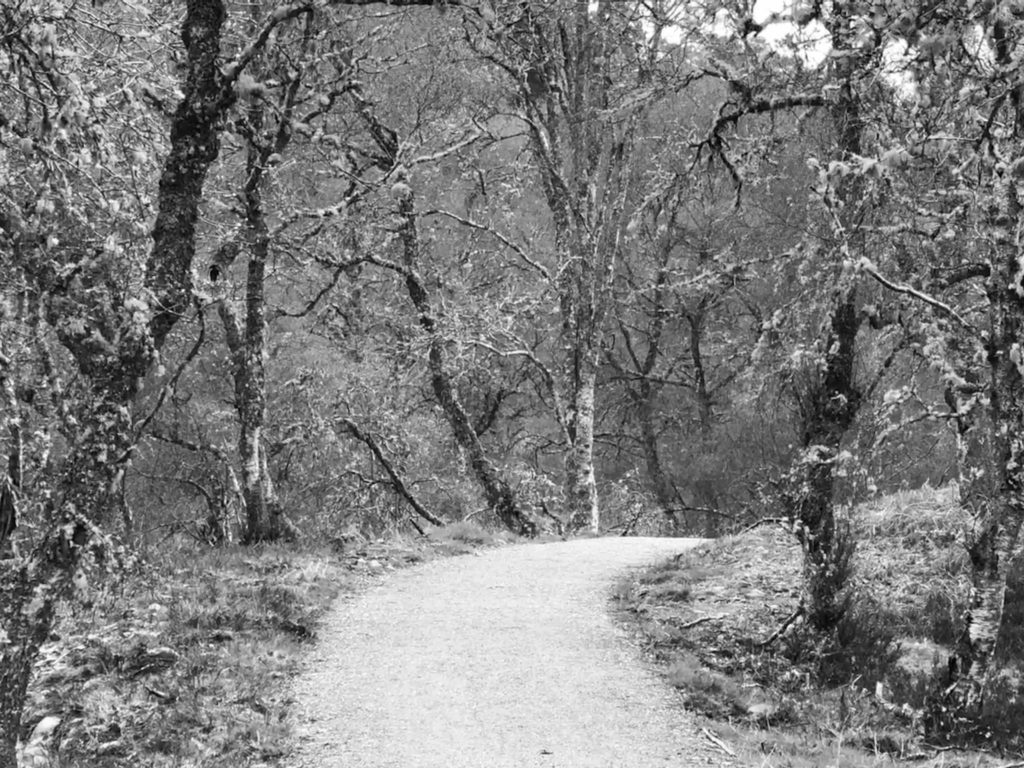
(862, 645)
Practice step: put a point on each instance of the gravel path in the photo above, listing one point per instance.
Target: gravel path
(507, 659)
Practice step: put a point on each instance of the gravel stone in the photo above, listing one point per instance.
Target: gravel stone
(505, 659)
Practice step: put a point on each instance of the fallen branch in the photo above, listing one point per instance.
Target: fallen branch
(782, 629)
(764, 521)
(701, 620)
(718, 742)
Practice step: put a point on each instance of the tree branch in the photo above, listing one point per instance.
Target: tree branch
(909, 290)
(518, 250)
(396, 481)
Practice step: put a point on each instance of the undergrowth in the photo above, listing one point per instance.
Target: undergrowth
(850, 698)
(183, 660)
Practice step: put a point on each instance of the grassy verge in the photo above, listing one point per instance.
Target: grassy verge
(183, 660)
(705, 617)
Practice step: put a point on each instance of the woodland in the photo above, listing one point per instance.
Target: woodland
(289, 271)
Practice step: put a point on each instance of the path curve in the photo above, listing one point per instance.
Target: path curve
(505, 659)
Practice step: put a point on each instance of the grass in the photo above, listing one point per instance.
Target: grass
(704, 616)
(183, 661)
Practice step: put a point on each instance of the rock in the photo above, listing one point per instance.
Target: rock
(35, 754)
(44, 728)
(375, 565)
(111, 747)
(762, 710)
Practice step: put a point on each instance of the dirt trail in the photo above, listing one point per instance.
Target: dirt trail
(508, 659)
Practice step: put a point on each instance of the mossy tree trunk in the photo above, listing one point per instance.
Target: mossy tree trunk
(991, 458)
(830, 403)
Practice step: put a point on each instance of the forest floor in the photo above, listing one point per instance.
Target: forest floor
(704, 616)
(183, 658)
(509, 659)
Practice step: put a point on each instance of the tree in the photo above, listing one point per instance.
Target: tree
(689, 305)
(961, 264)
(824, 378)
(581, 81)
(498, 492)
(73, 270)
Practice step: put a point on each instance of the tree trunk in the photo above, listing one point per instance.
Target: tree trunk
(586, 167)
(991, 459)
(580, 483)
(31, 628)
(498, 493)
(994, 544)
(831, 402)
(264, 517)
(664, 493)
(643, 394)
(829, 407)
(700, 382)
(10, 488)
(992, 491)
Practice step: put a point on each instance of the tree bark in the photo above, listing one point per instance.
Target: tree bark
(31, 588)
(705, 410)
(265, 519)
(580, 480)
(584, 163)
(664, 493)
(643, 393)
(829, 407)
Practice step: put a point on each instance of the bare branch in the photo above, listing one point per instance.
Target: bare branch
(172, 383)
(468, 141)
(339, 268)
(763, 106)
(909, 290)
(545, 372)
(964, 273)
(396, 480)
(293, 10)
(517, 249)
